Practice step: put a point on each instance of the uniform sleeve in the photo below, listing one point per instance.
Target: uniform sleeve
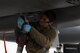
(41, 39)
(16, 31)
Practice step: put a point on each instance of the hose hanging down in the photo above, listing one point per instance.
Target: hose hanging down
(4, 39)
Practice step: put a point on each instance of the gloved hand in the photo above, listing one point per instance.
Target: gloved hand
(27, 27)
(20, 22)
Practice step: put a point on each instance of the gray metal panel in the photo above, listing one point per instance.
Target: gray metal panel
(70, 35)
(10, 7)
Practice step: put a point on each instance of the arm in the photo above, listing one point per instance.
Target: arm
(41, 39)
(16, 31)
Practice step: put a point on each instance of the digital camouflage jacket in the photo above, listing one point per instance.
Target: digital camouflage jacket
(39, 38)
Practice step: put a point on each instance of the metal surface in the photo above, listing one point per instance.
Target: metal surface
(66, 17)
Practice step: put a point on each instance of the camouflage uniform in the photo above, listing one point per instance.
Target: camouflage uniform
(40, 39)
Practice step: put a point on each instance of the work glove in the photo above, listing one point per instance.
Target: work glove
(20, 22)
(27, 27)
